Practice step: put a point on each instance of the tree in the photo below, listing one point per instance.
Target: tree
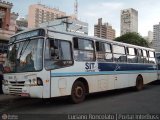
(133, 38)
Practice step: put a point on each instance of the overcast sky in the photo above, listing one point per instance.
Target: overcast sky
(109, 10)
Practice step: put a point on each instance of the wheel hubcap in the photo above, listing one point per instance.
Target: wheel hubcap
(140, 85)
(79, 92)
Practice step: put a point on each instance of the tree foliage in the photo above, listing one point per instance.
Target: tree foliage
(133, 38)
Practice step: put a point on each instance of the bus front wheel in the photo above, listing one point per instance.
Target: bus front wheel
(139, 83)
(78, 92)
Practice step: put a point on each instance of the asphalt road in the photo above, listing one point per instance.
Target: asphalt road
(117, 101)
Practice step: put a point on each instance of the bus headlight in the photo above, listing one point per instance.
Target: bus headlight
(4, 82)
(37, 81)
(34, 81)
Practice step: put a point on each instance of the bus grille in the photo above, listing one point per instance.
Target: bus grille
(15, 90)
(18, 83)
(16, 87)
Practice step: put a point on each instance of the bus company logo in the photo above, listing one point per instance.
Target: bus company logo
(4, 116)
(90, 67)
(15, 78)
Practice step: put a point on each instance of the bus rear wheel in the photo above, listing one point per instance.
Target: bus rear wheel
(78, 92)
(139, 83)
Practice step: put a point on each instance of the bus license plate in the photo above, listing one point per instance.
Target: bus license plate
(25, 94)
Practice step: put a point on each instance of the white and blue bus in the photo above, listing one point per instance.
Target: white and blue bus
(45, 63)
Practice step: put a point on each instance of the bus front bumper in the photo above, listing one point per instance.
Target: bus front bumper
(27, 91)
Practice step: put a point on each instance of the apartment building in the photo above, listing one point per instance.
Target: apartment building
(156, 37)
(39, 13)
(129, 21)
(104, 30)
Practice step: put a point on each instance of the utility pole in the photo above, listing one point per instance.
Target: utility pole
(76, 8)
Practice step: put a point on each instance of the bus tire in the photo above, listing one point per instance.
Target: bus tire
(78, 92)
(139, 83)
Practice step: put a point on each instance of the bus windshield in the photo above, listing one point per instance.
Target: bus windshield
(24, 56)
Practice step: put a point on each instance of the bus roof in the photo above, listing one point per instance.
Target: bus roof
(84, 36)
(101, 39)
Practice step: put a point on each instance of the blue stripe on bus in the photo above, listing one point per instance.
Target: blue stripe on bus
(113, 68)
(100, 73)
(124, 67)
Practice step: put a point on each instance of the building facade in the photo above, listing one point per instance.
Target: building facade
(129, 21)
(156, 37)
(39, 13)
(104, 30)
(7, 26)
(150, 36)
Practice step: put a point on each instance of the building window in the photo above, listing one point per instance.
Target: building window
(1, 23)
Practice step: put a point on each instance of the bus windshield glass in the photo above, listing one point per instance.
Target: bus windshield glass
(25, 56)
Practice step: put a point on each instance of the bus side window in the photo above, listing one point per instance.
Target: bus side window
(108, 52)
(100, 54)
(58, 54)
(99, 46)
(151, 57)
(83, 49)
(54, 49)
(132, 58)
(119, 53)
(104, 52)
